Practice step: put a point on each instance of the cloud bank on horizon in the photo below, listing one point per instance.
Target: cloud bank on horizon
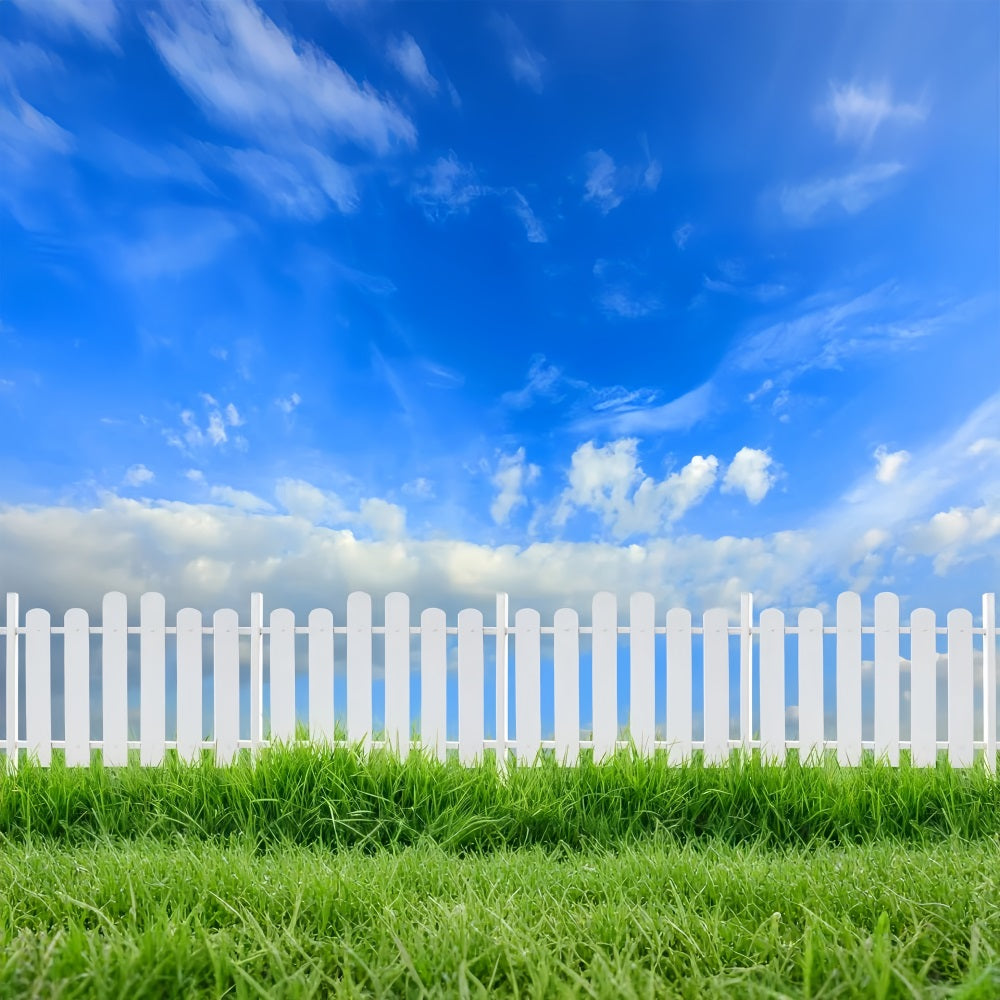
(317, 298)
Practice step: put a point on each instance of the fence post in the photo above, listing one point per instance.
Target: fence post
(746, 670)
(990, 680)
(12, 681)
(501, 682)
(256, 674)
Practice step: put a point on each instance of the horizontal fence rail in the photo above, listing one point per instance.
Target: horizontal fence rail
(766, 732)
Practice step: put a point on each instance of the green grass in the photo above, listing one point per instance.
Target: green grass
(315, 873)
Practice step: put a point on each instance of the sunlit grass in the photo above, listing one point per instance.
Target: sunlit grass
(331, 873)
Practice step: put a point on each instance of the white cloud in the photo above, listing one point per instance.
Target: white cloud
(136, 475)
(679, 414)
(958, 535)
(241, 499)
(542, 381)
(419, 487)
(526, 65)
(406, 56)
(621, 303)
(853, 192)
(857, 113)
(387, 520)
(510, 478)
(447, 187)
(601, 478)
(749, 473)
(608, 185)
(984, 446)
(247, 73)
(682, 234)
(97, 19)
(287, 405)
(889, 463)
(534, 230)
(214, 433)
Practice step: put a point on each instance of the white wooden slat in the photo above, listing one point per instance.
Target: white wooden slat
(114, 676)
(470, 685)
(642, 690)
(433, 682)
(716, 679)
(566, 685)
(152, 678)
(849, 679)
(226, 694)
(772, 685)
(359, 669)
(502, 706)
(38, 685)
(282, 662)
(923, 688)
(811, 685)
(960, 688)
(887, 677)
(77, 687)
(680, 690)
(990, 680)
(321, 712)
(746, 671)
(13, 670)
(397, 673)
(189, 684)
(256, 673)
(528, 685)
(604, 674)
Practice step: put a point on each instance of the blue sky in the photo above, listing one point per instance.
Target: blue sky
(691, 298)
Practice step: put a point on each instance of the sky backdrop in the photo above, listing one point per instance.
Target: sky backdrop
(451, 299)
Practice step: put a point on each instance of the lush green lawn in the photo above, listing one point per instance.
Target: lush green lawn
(327, 874)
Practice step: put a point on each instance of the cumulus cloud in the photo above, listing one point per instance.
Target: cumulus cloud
(136, 475)
(600, 480)
(510, 478)
(958, 535)
(749, 473)
(214, 434)
(889, 464)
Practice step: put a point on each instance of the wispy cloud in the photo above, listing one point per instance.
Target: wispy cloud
(858, 112)
(96, 19)
(526, 65)
(889, 464)
(407, 57)
(852, 192)
(533, 228)
(447, 187)
(608, 185)
(624, 418)
(618, 302)
(246, 73)
(682, 234)
(510, 478)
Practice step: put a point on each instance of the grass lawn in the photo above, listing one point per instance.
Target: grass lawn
(317, 873)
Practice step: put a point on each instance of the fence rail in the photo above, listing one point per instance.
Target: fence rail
(769, 735)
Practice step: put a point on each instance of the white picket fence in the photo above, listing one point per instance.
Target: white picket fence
(527, 631)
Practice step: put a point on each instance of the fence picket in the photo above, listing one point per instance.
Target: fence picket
(849, 679)
(397, 673)
(470, 685)
(321, 713)
(716, 678)
(152, 679)
(960, 688)
(433, 681)
(226, 667)
(282, 652)
(923, 688)
(887, 677)
(114, 674)
(680, 689)
(604, 674)
(528, 685)
(359, 669)
(566, 684)
(38, 685)
(76, 687)
(810, 683)
(189, 681)
(772, 684)
(642, 653)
